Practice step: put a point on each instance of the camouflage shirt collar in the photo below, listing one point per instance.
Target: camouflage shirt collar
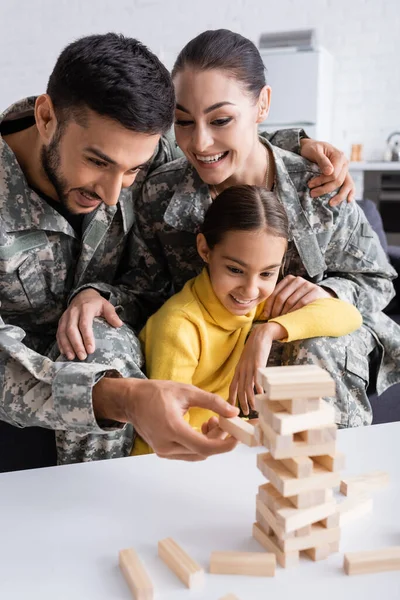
(189, 203)
(191, 198)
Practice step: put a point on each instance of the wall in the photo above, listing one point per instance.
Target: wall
(361, 34)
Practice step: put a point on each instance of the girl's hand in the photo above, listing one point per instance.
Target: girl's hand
(255, 355)
(334, 168)
(292, 293)
(75, 328)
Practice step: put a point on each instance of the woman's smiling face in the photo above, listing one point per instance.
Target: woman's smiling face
(216, 122)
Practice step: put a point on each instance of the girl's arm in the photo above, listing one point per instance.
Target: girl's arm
(328, 317)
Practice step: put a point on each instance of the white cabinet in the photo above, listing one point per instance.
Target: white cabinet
(302, 91)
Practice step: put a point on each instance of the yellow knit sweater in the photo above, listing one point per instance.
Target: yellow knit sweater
(194, 339)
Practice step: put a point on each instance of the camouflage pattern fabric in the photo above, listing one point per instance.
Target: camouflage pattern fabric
(42, 262)
(331, 246)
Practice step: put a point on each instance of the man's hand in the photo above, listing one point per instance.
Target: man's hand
(75, 328)
(255, 355)
(334, 167)
(156, 409)
(290, 294)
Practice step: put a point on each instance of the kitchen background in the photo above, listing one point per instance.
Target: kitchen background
(361, 35)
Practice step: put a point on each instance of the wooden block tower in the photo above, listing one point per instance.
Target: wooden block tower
(295, 510)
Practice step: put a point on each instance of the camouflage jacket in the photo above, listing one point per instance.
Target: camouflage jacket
(42, 260)
(331, 246)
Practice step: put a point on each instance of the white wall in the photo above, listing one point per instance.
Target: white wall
(362, 35)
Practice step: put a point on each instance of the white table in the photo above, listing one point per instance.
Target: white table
(61, 528)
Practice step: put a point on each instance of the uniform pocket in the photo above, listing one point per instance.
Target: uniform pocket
(33, 282)
(357, 364)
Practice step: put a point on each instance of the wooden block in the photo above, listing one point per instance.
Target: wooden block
(319, 435)
(322, 552)
(284, 423)
(319, 537)
(364, 483)
(291, 446)
(372, 561)
(287, 484)
(135, 575)
(268, 530)
(287, 517)
(258, 564)
(310, 499)
(301, 466)
(306, 530)
(184, 567)
(240, 429)
(229, 597)
(332, 462)
(354, 507)
(302, 381)
(298, 406)
(285, 560)
(331, 521)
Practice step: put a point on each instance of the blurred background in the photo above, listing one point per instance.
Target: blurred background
(361, 37)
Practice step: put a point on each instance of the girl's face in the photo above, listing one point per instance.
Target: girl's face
(243, 267)
(216, 123)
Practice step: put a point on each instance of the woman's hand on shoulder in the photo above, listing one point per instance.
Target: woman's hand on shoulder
(75, 328)
(292, 293)
(334, 167)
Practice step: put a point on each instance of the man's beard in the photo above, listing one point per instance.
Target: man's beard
(51, 165)
(50, 159)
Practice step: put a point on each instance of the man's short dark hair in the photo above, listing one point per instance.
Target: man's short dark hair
(117, 77)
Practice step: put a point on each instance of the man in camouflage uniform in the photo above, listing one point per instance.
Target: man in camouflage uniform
(66, 210)
(333, 247)
(65, 159)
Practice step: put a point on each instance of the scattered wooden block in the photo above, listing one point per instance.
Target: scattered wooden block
(332, 462)
(258, 564)
(285, 559)
(287, 484)
(292, 445)
(301, 466)
(372, 561)
(240, 429)
(298, 406)
(184, 567)
(286, 516)
(285, 423)
(135, 575)
(229, 597)
(299, 381)
(364, 483)
(354, 507)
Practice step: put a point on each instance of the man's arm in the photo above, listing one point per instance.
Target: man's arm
(37, 391)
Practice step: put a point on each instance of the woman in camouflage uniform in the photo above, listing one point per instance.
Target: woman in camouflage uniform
(221, 98)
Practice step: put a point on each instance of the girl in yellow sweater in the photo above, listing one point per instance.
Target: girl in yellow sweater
(207, 334)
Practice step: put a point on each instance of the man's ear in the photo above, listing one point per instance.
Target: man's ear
(202, 247)
(46, 120)
(264, 102)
